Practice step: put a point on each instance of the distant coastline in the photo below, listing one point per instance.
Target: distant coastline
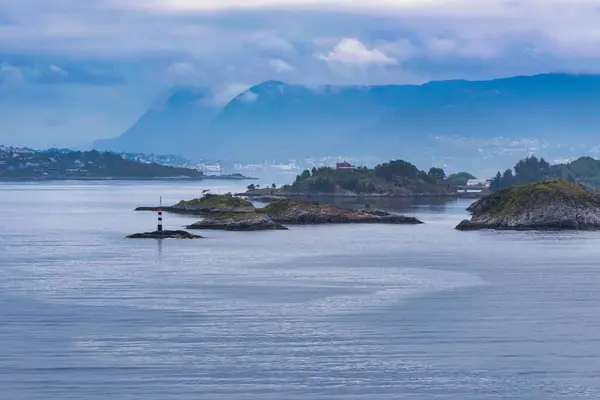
(98, 178)
(18, 165)
(296, 195)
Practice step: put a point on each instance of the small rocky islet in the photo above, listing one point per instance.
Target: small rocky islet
(548, 205)
(237, 222)
(164, 235)
(232, 213)
(298, 212)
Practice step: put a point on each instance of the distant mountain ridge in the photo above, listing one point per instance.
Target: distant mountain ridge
(458, 118)
(173, 120)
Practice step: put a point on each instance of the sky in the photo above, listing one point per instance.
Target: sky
(72, 71)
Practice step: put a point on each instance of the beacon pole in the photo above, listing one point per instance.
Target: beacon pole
(160, 225)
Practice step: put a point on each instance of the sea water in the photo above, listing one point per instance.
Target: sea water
(323, 312)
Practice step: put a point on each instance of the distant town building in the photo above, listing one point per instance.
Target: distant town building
(210, 169)
(477, 182)
(343, 165)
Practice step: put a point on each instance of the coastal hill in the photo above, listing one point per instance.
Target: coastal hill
(394, 178)
(546, 205)
(460, 119)
(67, 164)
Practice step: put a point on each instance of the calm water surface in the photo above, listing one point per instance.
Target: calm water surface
(329, 312)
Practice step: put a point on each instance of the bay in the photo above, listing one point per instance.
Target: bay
(348, 312)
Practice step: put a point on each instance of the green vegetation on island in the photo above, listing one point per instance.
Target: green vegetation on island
(584, 170)
(395, 178)
(226, 203)
(555, 204)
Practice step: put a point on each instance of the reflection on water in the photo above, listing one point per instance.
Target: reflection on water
(429, 204)
(159, 246)
(318, 312)
(436, 204)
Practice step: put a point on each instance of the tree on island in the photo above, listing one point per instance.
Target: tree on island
(436, 173)
(304, 175)
(460, 178)
(393, 169)
(509, 179)
(527, 170)
(496, 182)
(251, 186)
(273, 186)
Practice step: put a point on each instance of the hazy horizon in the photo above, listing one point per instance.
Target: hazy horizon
(73, 72)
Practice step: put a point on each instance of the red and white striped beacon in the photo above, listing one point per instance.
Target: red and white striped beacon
(160, 226)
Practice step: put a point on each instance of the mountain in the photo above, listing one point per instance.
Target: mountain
(277, 120)
(457, 120)
(172, 123)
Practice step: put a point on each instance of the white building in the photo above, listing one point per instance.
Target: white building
(210, 169)
(477, 182)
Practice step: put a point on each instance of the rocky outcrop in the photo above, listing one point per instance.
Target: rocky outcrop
(172, 209)
(232, 213)
(238, 222)
(268, 198)
(164, 235)
(295, 212)
(546, 205)
(376, 211)
(208, 204)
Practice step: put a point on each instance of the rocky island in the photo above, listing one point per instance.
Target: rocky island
(208, 204)
(555, 204)
(298, 212)
(396, 178)
(164, 235)
(231, 213)
(238, 222)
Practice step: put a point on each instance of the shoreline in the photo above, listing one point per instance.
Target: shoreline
(361, 196)
(108, 179)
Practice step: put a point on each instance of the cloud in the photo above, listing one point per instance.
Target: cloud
(211, 5)
(288, 29)
(181, 69)
(248, 96)
(351, 51)
(223, 95)
(180, 72)
(475, 48)
(58, 71)
(142, 47)
(11, 75)
(280, 66)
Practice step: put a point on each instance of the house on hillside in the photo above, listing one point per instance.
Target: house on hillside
(344, 166)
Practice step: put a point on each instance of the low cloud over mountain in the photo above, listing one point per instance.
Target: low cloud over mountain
(457, 120)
